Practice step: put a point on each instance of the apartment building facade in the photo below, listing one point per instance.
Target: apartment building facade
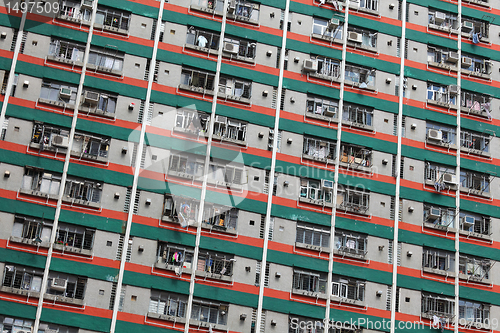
(249, 166)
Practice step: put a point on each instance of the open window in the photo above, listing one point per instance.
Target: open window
(165, 305)
(317, 192)
(349, 288)
(437, 305)
(438, 260)
(313, 237)
(309, 282)
(174, 257)
(350, 243)
(353, 200)
(317, 149)
(32, 230)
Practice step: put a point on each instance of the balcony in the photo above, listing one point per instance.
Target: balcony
(475, 104)
(440, 176)
(31, 231)
(75, 11)
(475, 143)
(230, 130)
(443, 96)
(362, 39)
(442, 58)
(434, 305)
(175, 258)
(440, 218)
(316, 192)
(238, 10)
(329, 30)
(215, 266)
(66, 289)
(351, 245)
(353, 201)
(186, 166)
(438, 262)
(323, 109)
(475, 30)
(475, 225)
(197, 81)
(357, 116)
(74, 239)
(476, 66)
(220, 218)
(309, 283)
(441, 135)
(355, 157)
(209, 314)
(360, 77)
(66, 52)
(442, 21)
(234, 90)
(322, 68)
(24, 281)
(475, 183)
(111, 20)
(348, 290)
(181, 210)
(167, 306)
(318, 150)
(98, 103)
(107, 60)
(474, 269)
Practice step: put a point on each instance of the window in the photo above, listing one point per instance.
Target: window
(442, 21)
(316, 191)
(209, 312)
(475, 103)
(440, 216)
(215, 263)
(234, 88)
(477, 268)
(309, 281)
(441, 134)
(230, 129)
(197, 79)
(442, 176)
(86, 190)
(59, 93)
(64, 50)
(98, 102)
(476, 65)
(312, 235)
(474, 312)
(202, 38)
(354, 156)
(238, 9)
(244, 48)
(474, 141)
(357, 115)
(30, 228)
(66, 286)
(353, 200)
(437, 305)
(73, 10)
(359, 75)
(111, 19)
(440, 260)
(350, 243)
(186, 166)
(191, 121)
(40, 181)
(22, 278)
(220, 217)
(475, 182)
(349, 288)
(90, 146)
(441, 94)
(475, 223)
(318, 149)
(476, 29)
(175, 255)
(106, 59)
(367, 38)
(163, 303)
(441, 56)
(328, 67)
(327, 28)
(369, 4)
(76, 237)
(321, 107)
(180, 209)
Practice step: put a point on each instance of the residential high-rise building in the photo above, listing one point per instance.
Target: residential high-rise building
(249, 166)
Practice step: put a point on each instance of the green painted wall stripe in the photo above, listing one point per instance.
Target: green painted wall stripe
(162, 234)
(84, 269)
(23, 258)
(72, 319)
(127, 327)
(155, 282)
(225, 295)
(131, 6)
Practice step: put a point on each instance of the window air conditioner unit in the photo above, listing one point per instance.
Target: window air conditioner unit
(468, 221)
(60, 141)
(434, 134)
(434, 213)
(439, 17)
(331, 111)
(231, 7)
(65, 93)
(91, 97)
(452, 56)
(453, 89)
(326, 183)
(466, 62)
(467, 26)
(355, 37)
(87, 4)
(333, 24)
(310, 65)
(230, 47)
(58, 284)
(449, 178)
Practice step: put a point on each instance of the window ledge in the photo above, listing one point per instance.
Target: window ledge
(480, 75)
(72, 249)
(180, 174)
(357, 85)
(221, 138)
(354, 164)
(224, 54)
(430, 314)
(321, 117)
(199, 323)
(355, 210)
(104, 69)
(438, 271)
(442, 65)
(479, 3)
(214, 276)
(475, 192)
(350, 255)
(324, 160)
(475, 151)
(108, 28)
(364, 10)
(80, 202)
(440, 143)
(217, 228)
(188, 131)
(449, 186)
(89, 157)
(361, 46)
(325, 77)
(439, 227)
(62, 299)
(28, 241)
(166, 317)
(196, 89)
(472, 278)
(327, 38)
(229, 16)
(357, 125)
(442, 104)
(440, 28)
(316, 202)
(312, 247)
(18, 291)
(72, 19)
(309, 293)
(38, 194)
(64, 60)
(96, 111)
(234, 98)
(55, 103)
(479, 113)
(474, 234)
(347, 300)
(172, 268)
